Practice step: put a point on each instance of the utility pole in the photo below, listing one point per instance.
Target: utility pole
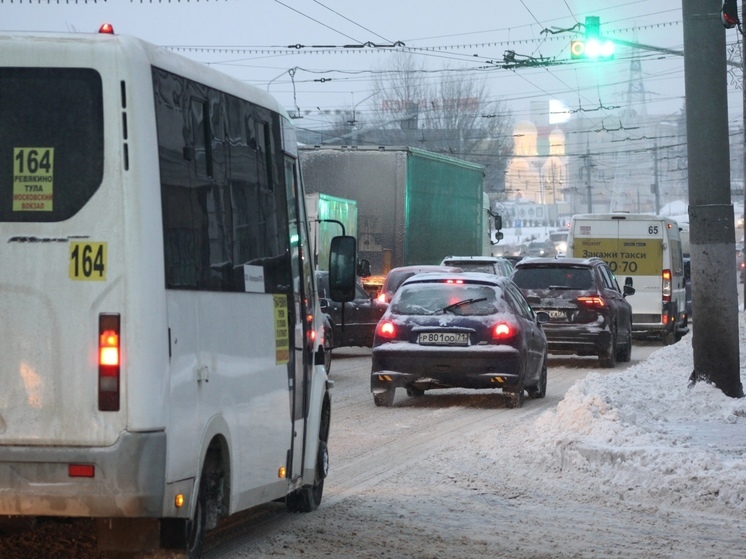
(715, 337)
(656, 184)
(587, 170)
(743, 150)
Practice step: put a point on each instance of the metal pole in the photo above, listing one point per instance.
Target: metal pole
(588, 178)
(656, 184)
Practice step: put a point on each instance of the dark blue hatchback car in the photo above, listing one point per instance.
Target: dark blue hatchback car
(467, 330)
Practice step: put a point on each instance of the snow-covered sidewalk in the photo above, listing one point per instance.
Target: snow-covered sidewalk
(644, 427)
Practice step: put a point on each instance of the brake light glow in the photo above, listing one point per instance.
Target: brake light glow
(81, 470)
(666, 285)
(109, 361)
(592, 302)
(109, 348)
(106, 28)
(386, 329)
(382, 298)
(455, 281)
(502, 331)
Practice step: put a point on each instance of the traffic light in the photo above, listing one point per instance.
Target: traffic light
(593, 46)
(729, 14)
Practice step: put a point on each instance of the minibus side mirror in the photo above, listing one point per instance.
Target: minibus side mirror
(342, 268)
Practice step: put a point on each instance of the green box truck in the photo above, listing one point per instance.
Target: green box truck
(328, 217)
(414, 206)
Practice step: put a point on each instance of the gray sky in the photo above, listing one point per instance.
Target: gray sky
(471, 34)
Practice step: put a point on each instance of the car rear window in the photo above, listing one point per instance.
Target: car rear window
(554, 277)
(467, 266)
(438, 298)
(395, 279)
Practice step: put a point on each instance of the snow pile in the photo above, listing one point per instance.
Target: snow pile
(643, 428)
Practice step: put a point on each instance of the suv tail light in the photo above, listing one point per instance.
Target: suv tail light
(592, 302)
(109, 361)
(666, 285)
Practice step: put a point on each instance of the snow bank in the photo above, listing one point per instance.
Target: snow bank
(644, 428)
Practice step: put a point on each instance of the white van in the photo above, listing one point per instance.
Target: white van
(644, 251)
(559, 238)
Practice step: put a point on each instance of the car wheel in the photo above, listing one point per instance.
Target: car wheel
(384, 399)
(608, 357)
(540, 390)
(515, 397)
(413, 392)
(624, 355)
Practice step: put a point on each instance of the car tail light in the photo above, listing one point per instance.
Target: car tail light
(109, 361)
(382, 298)
(503, 331)
(592, 302)
(666, 285)
(386, 329)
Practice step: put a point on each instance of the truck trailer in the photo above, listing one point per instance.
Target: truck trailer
(414, 206)
(328, 217)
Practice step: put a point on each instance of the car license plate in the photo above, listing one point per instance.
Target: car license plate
(443, 338)
(557, 314)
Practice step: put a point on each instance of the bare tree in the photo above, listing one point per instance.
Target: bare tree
(447, 111)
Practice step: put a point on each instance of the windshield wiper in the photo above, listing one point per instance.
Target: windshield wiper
(462, 303)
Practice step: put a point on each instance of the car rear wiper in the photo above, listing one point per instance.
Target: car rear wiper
(462, 303)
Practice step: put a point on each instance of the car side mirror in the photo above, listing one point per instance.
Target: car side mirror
(542, 317)
(629, 290)
(363, 268)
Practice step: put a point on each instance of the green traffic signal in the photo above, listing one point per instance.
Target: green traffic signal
(592, 49)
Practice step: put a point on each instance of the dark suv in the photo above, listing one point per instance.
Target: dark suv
(360, 318)
(588, 312)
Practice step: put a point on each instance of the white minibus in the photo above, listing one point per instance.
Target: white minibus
(644, 251)
(160, 336)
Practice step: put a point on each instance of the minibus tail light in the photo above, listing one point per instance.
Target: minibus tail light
(666, 285)
(109, 361)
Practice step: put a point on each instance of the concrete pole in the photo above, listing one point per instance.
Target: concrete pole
(743, 149)
(712, 231)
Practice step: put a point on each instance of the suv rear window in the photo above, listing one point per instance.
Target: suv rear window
(51, 142)
(554, 277)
